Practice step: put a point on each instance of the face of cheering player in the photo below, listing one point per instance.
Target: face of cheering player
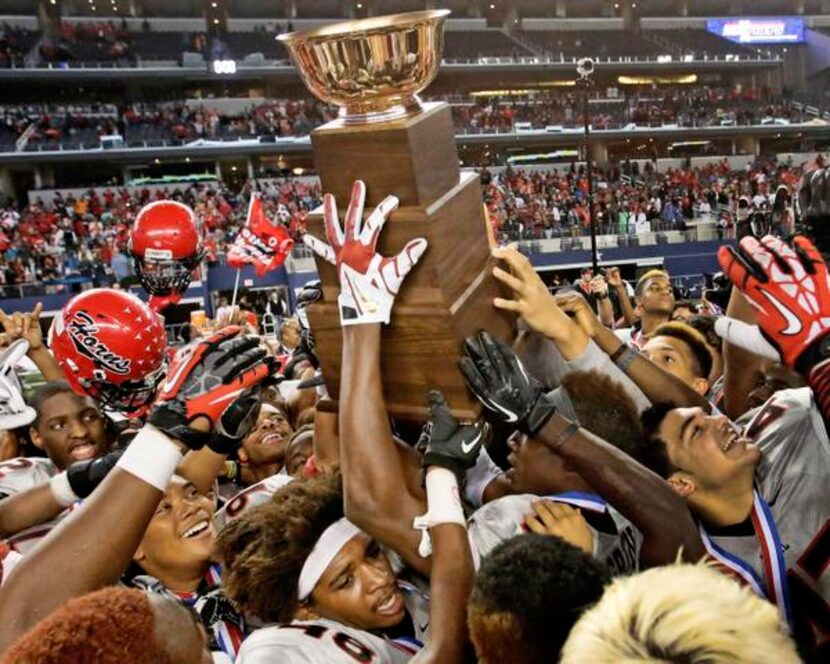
(534, 469)
(267, 442)
(69, 428)
(707, 452)
(358, 588)
(177, 544)
(299, 450)
(657, 296)
(674, 356)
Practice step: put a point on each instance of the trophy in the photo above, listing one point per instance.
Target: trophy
(374, 69)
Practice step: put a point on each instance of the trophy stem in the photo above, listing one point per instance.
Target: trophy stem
(363, 113)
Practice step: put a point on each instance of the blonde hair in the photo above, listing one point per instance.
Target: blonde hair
(688, 613)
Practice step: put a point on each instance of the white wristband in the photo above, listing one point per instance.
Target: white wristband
(443, 506)
(151, 457)
(62, 491)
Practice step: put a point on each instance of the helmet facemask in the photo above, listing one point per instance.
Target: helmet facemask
(128, 397)
(163, 277)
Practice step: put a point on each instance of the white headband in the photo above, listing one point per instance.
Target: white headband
(328, 546)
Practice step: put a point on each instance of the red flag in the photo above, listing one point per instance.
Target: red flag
(261, 243)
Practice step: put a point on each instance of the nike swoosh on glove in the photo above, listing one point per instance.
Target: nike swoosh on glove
(448, 443)
(369, 282)
(788, 287)
(499, 381)
(218, 379)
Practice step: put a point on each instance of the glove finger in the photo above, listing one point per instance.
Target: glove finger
(485, 365)
(323, 250)
(354, 214)
(807, 252)
(498, 352)
(242, 363)
(374, 223)
(781, 253)
(748, 337)
(395, 269)
(229, 350)
(334, 233)
(478, 386)
(443, 422)
(220, 335)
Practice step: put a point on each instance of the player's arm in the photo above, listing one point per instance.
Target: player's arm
(741, 368)
(612, 274)
(29, 508)
(326, 436)
(379, 495)
(599, 287)
(498, 380)
(108, 526)
(658, 385)
(450, 450)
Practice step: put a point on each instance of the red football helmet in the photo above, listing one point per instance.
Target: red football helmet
(166, 245)
(110, 346)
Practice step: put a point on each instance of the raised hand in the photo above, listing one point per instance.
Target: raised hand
(573, 304)
(531, 299)
(14, 412)
(599, 286)
(788, 286)
(24, 325)
(448, 443)
(613, 277)
(499, 381)
(211, 394)
(369, 282)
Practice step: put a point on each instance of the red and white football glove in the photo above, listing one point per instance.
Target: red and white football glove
(219, 379)
(788, 286)
(368, 281)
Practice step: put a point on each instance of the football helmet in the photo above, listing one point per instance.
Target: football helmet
(166, 246)
(111, 347)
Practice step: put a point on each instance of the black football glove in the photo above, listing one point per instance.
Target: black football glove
(447, 443)
(499, 381)
(85, 476)
(219, 379)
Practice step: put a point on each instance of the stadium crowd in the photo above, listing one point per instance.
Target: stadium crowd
(82, 125)
(87, 235)
(642, 484)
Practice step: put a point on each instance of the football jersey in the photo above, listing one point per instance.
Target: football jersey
(793, 477)
(617, 544)
(248, 498)
(19, 475)
(325, 641)
(24, 473)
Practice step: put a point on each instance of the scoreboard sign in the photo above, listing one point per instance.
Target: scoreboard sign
(766, 30)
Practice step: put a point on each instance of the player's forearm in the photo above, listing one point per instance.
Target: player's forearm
(450, 585)
(89, 550)
(46, 364)
(741, 369)
(606, 312)
(640, 495)
(28, 509)
(202, 467)
(374, 483)
(658, 385)
(326, 437)
(628, 312)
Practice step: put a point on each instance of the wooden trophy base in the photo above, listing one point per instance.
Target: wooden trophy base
(449, 294)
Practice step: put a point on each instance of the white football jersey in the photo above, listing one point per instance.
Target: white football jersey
(24, 473)
(503, 518)
(327, 642)
(793, 477)
(250, 497)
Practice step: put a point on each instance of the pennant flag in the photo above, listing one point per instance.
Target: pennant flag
(261, 243)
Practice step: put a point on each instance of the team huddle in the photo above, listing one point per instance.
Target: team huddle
(644, 483)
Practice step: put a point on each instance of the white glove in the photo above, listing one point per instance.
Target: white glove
(369, 282)
(13, 409)
(746, 336)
